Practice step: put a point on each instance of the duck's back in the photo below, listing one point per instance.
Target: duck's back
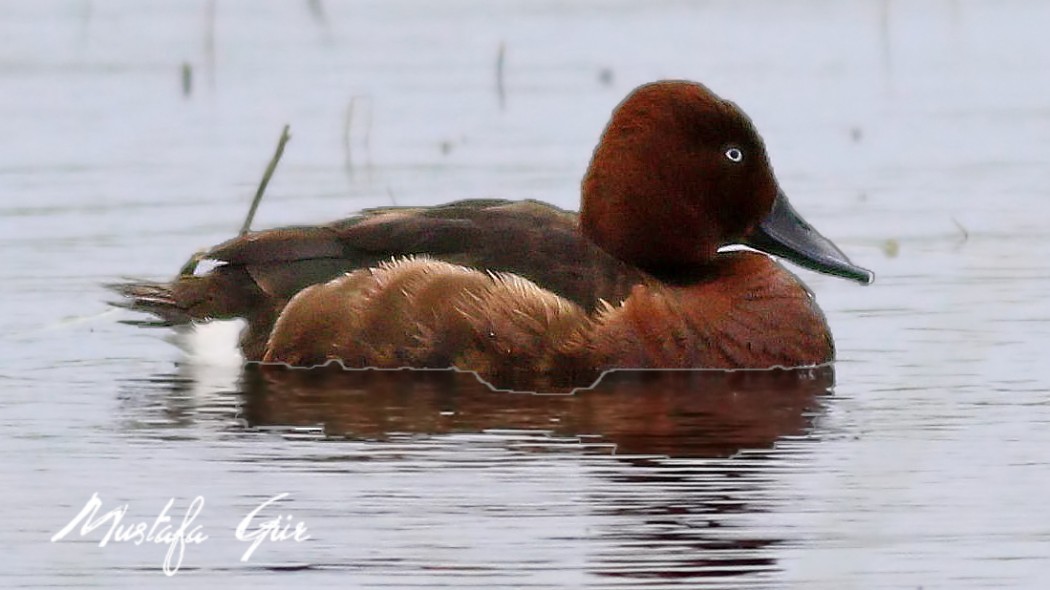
(258, 273)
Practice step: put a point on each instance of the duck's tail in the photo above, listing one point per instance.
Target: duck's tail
(156, 299)
(225, 293)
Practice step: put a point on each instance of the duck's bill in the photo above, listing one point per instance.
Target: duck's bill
(785, 234)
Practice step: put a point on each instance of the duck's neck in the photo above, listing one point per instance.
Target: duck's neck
(683, 275)
(676, 272)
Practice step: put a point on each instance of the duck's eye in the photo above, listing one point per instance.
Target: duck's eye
(735, 154)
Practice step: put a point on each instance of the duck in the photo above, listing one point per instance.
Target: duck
(671, 263)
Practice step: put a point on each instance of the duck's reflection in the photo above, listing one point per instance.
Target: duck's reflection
(682, 497)
(689, 515)
(675, 413)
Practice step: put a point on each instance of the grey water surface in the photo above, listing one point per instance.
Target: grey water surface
(916, 135)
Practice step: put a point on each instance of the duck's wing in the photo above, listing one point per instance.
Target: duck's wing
(256, 274)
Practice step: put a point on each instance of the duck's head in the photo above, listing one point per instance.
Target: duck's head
(678, 174)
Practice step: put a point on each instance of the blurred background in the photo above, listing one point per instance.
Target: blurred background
(913, 134)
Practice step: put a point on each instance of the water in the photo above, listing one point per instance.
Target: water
(911, 134)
